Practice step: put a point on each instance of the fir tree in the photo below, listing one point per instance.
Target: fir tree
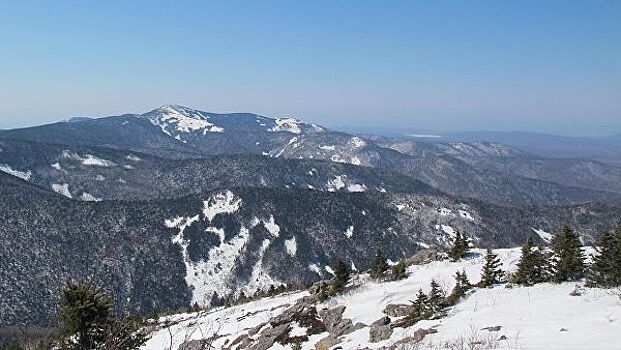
(420, 307)
(568, 258)
(436, 297)
(460, 247)
(379, 266)
(533, 266)
(492, 274)
(85, 310)
(543, 270)
(87, 322)
(462, 286)
(398, 271)
(606, 268)
(341, 276)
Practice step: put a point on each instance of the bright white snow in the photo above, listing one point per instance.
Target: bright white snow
(178, 119)
(543, 234)
(291, 125)
(545, 316)
(291, 245)
(21, 174)
(223, 202)
(62, 189)
(349, 232)
(88, 159)
(87, 197)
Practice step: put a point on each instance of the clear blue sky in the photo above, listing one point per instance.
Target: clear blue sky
(431, 65)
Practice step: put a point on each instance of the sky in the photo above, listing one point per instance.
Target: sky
(550, 66)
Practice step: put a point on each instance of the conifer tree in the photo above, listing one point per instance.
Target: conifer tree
(436, 297)
(85, 310)
(533, 266)
(420, 307)
(398, 271)
(606, 268)
(342, 275)
(568, 257)
(88, 324)
(379, 266)
(460, 246)
(491, 274)
(462, 286)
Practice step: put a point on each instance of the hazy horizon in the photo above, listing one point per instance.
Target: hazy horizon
(551, 67)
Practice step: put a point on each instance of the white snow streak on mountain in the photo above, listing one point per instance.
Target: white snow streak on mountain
(21, 174)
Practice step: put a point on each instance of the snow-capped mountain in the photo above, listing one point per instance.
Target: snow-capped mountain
(184, 124)
(173, 132)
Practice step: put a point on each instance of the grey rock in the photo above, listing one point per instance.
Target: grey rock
(381, 322)
(379, 333)
(397, 310)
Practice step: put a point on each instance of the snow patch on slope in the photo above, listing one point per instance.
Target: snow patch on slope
(349, 232)
(21, 174)
(88, 159)
(288, 124)
(543, 234)
(259, 277)
(357, 142)
(271, 226)
(62, 189)
(220, 203)
(87, 197)
(340, 181)
(175, 119)
(291, 246)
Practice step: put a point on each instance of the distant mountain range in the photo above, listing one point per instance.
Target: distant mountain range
(170, 206)
(605, 149)
(174, 132)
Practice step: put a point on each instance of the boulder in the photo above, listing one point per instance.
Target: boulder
(334, 322)
(326, 343)
(379, 333)
(381, 322)
(254, 330)
(424, 257)
(397, 310)
(199, 344)
(243, 341)
(268, 336)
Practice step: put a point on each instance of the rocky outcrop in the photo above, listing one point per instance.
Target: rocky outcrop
(379, 333)
(398, 310)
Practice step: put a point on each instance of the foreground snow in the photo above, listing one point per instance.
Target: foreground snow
(545, 316)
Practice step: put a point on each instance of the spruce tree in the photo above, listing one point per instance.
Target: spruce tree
(420, 307)
(492, 274)
(436, 297)
(379, 266)
(398, 271)
(606, 268)
(88, 324)
(462, 286)
(543, 270)
(534, 266)
(341, 276)
(460, 246)
(85, 310)
(568, 257)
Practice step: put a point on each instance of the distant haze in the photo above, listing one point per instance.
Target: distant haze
(415, 67)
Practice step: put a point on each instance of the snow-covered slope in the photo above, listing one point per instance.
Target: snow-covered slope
(545, 316)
